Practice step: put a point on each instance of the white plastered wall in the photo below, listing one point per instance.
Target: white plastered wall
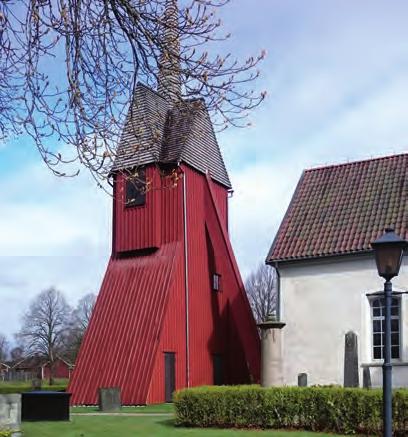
(320, 303)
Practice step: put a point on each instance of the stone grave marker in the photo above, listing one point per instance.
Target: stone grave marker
(10, 412)
(302, 380)
(351, 376)
(366, 377)
(109, 399)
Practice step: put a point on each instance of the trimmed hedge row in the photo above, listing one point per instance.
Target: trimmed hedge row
(19, 388)
(326, 409)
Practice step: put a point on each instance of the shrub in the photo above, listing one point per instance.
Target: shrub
(6, 433)
(334, 409)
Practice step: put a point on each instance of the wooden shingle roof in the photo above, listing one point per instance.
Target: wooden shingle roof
(158, 131)
(341, 209)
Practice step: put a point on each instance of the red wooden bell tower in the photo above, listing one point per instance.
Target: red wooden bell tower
(172, 310)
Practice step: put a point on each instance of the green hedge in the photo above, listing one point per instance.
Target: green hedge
(337, 410)
(20, 388)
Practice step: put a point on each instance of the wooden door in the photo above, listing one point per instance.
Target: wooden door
(169, 375)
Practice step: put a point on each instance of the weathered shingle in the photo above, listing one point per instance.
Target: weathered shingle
(341, 209)
(159, 132)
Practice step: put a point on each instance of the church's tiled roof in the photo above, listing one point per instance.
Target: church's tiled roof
(157, 131)
(341, 209)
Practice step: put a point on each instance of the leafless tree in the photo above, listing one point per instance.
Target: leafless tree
(17, 353)
(45, 325)
(4, 346)
(261, 288)
(80, 318)
(68, 70)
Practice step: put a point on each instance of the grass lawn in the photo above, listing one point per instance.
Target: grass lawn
(159, 408)
(108, 426)
(23, 386)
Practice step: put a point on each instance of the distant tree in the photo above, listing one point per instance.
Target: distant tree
(17, 353)
(80, 318)
(45, 326)
(261, 288)
(4, 345)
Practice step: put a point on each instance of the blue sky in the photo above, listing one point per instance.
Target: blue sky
(337, 82)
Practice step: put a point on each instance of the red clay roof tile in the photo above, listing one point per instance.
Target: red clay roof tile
(341, 209)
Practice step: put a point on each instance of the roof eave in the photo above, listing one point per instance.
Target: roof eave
(314, 258)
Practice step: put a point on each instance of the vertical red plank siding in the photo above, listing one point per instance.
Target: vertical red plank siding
(141, 309)
(122, 338)
(217, 319)
(221, 199)
(172, 339)
(61, 370)
(138, 227)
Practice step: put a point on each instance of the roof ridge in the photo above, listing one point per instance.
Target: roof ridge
(360, 161)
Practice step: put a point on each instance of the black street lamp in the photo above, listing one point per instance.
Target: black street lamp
(388, 250)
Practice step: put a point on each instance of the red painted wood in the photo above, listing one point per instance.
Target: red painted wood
(61, 370)
(141, 310)
(221, 199)
(137, 227)
(123, 333)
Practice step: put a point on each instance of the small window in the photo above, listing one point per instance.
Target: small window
(378, 328)
(216, 282)
(136, 189)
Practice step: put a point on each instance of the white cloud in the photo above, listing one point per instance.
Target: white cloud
(53, 232)
(337, 77)
(45, 215)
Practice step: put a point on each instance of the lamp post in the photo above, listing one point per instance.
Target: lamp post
(388, 250)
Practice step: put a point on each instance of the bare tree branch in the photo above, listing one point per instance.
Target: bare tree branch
(68, 70)
(4, 347)
(45, 325)
(80, 318)
(261, 288)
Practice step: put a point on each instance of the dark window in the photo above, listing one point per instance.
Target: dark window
(136, 189)
(216, 282)
(378, 326)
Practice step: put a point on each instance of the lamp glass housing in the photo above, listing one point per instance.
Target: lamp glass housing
(389, 250)
(388, 261)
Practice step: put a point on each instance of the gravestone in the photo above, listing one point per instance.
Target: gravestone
(109, 399)
(302, 380)
(351, 376)
(366, 377)
(36, 383)
(10, 412)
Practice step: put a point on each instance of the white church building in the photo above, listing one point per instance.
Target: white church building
(329, 285)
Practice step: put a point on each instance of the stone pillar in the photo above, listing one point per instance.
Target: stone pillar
(271, 352)
(351, 370)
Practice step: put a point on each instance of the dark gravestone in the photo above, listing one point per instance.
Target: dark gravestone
(302, 380)
(45, 405)
(109, 399)
(351, 377)
(366, 377)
